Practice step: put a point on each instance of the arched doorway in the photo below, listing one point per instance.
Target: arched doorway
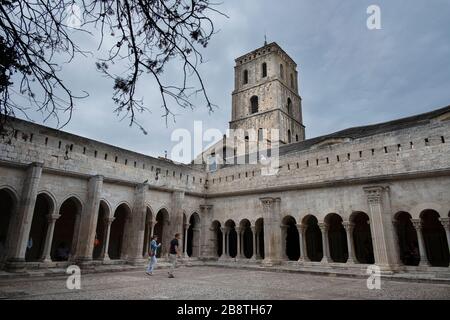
(64, 236)
(246, 238)
(193, 236)
(337, 238)
(36, 240)
(313, 238)
(100, 234)
(259, 229)
(217, 238)
(407, 239)
(231, 238)
(147, 232)
(435, 239)
(7, 208)
(117, 234)
(362, 238)
(291, 238)
(162, 231)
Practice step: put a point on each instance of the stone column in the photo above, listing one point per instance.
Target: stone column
(301, 232)
(206, 235)
(254, 255)
(349, 226)
(88, 222)
(423, 253)
(283, 242)
(196, 242)
(224, 240)
(381, 228)
(51, 221)
(185, 229)
(104, 254)
(325, 245)
(149, 238)
(272, 232)
(239, 242)
(446, 224)
(21, 221)
(258, 254)
(177, 213)
(135, 228)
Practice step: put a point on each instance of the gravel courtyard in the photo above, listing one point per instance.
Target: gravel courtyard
(215, 283)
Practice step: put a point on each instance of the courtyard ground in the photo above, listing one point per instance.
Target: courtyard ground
(203, 282)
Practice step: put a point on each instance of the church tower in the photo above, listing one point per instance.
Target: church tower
(266, 95)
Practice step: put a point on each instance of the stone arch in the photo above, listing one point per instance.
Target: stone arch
(193, 236)
(217, 238)
(117, 238)
(313, 238)
(246, 235)
(337, 238)
(417, 210)
(407, 239)
(104, 214)
(45, 205)
(8, 206)
(259, 229)
(231, 238)
(162, 230)
(290, 238)
(435, 239)
(67, 226)
(362, 237)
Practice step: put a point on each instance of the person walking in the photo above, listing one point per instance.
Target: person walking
(174, 253)
(153, 248)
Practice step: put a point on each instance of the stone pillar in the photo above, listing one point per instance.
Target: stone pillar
(196, 239)
(149, 226)
(258, 254)
(21, 221)
(423, 253)
(446, 224)
(224, 240)
(185, 233)
(75, 237)
(349, 226)
(325, 245)
(382, 230)
(255, 237)
(239, 243)
(177, 213)
(301, 237)
(206, 235)
(136, 226)
(51, 221)
(104, 254)
(283, 242)
(88, 221)
(272, 232)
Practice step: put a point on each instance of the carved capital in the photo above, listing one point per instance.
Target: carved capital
(323, 226)
(374, 194)
(417, 224)
(109, 220)
(445, 222)
(348, 226)
(51, 218)
(301, 228)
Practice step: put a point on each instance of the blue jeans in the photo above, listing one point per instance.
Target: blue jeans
(151, 264)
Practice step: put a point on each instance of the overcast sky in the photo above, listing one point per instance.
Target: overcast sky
(348, 75)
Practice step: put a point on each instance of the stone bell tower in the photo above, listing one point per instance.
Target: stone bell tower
(266, 95)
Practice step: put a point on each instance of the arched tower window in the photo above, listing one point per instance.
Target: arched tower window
(245, 76)
(296, 137)
(292, 81)
(281, 71)
(289, 106)
(289, 136)
(254, 104)
(264, 70)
